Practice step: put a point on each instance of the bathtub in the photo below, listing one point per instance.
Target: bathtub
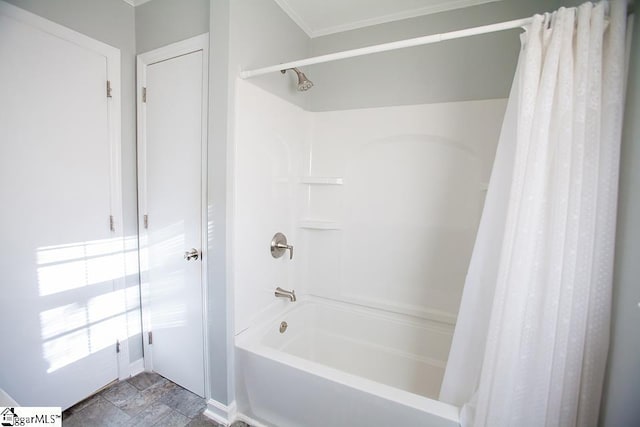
(340, 364)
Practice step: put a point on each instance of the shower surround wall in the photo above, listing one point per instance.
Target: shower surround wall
(393, 202)
(271, 136)
(380, 204)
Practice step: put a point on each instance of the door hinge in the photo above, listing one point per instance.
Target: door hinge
(146, 221)
(112, 224)
(118, 346)
(150, 337)
(108, 89)
(144, 94)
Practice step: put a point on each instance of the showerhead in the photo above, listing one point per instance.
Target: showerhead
(303, 82)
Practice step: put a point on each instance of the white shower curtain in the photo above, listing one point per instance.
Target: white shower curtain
(532, 336)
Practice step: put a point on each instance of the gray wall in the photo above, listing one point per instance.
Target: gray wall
(262, 34)
(479, 67)
(111, 22)
(162, 22)
(247, 33)
(219, 327)
(620, 406)
(243, 33)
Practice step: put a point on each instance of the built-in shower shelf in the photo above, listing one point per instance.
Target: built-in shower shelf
(321, 180)
(319, 224)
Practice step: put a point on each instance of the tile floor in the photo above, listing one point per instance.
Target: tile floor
(144, 400)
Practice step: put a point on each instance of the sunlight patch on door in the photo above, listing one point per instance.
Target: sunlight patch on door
(82, 313)
(74, 331)
(71, 266)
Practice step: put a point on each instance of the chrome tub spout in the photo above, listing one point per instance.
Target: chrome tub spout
(283, 293)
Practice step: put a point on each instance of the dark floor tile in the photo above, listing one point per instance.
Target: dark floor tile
(100, 413)
(81, 405)
(135, 404)
(147, 400)
(203, 421)
(150, 415)
(119, 393)
(159, 389)
(145, 380)
(173, 419)
(184, 401)
(138, 402)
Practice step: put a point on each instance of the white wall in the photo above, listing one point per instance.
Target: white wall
(406, 214)
(271, 136)
(381, 205)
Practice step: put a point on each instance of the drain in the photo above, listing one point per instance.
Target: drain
(283, 327)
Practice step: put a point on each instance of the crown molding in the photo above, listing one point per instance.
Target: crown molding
(412, 13)
(135, 3)
(284, 5)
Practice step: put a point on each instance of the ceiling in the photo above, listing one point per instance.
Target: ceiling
(322, 17)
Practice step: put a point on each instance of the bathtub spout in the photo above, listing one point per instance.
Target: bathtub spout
(285, 294)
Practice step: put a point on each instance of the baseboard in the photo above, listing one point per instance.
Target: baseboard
(136, 367)
(220, 413)
(249, 420)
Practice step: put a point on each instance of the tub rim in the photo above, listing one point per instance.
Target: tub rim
(250, 340)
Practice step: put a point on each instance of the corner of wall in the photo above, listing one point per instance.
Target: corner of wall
(221, 413)
(262, 34)
(221, 379)
(622, 382)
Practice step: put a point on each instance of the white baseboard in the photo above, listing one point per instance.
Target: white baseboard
(220, 413)
(136, 367)
(249, 420)
(227, 415)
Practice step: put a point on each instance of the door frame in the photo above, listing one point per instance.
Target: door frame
(184, 47)
(112, 59)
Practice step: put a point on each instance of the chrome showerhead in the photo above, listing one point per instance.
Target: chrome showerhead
(303, 82)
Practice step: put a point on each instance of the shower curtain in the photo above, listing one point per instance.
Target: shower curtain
(532, 335)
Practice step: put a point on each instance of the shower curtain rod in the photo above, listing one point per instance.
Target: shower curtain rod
(401, 44)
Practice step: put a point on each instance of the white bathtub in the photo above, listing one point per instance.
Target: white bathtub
(343, 365)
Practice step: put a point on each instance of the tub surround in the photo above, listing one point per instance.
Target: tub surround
(381, 204)
(382, 207)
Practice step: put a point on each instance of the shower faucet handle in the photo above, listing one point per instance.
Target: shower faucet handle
(286, 247)
(279, 246)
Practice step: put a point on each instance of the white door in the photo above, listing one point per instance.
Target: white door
(173, 115)
(59, 260)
